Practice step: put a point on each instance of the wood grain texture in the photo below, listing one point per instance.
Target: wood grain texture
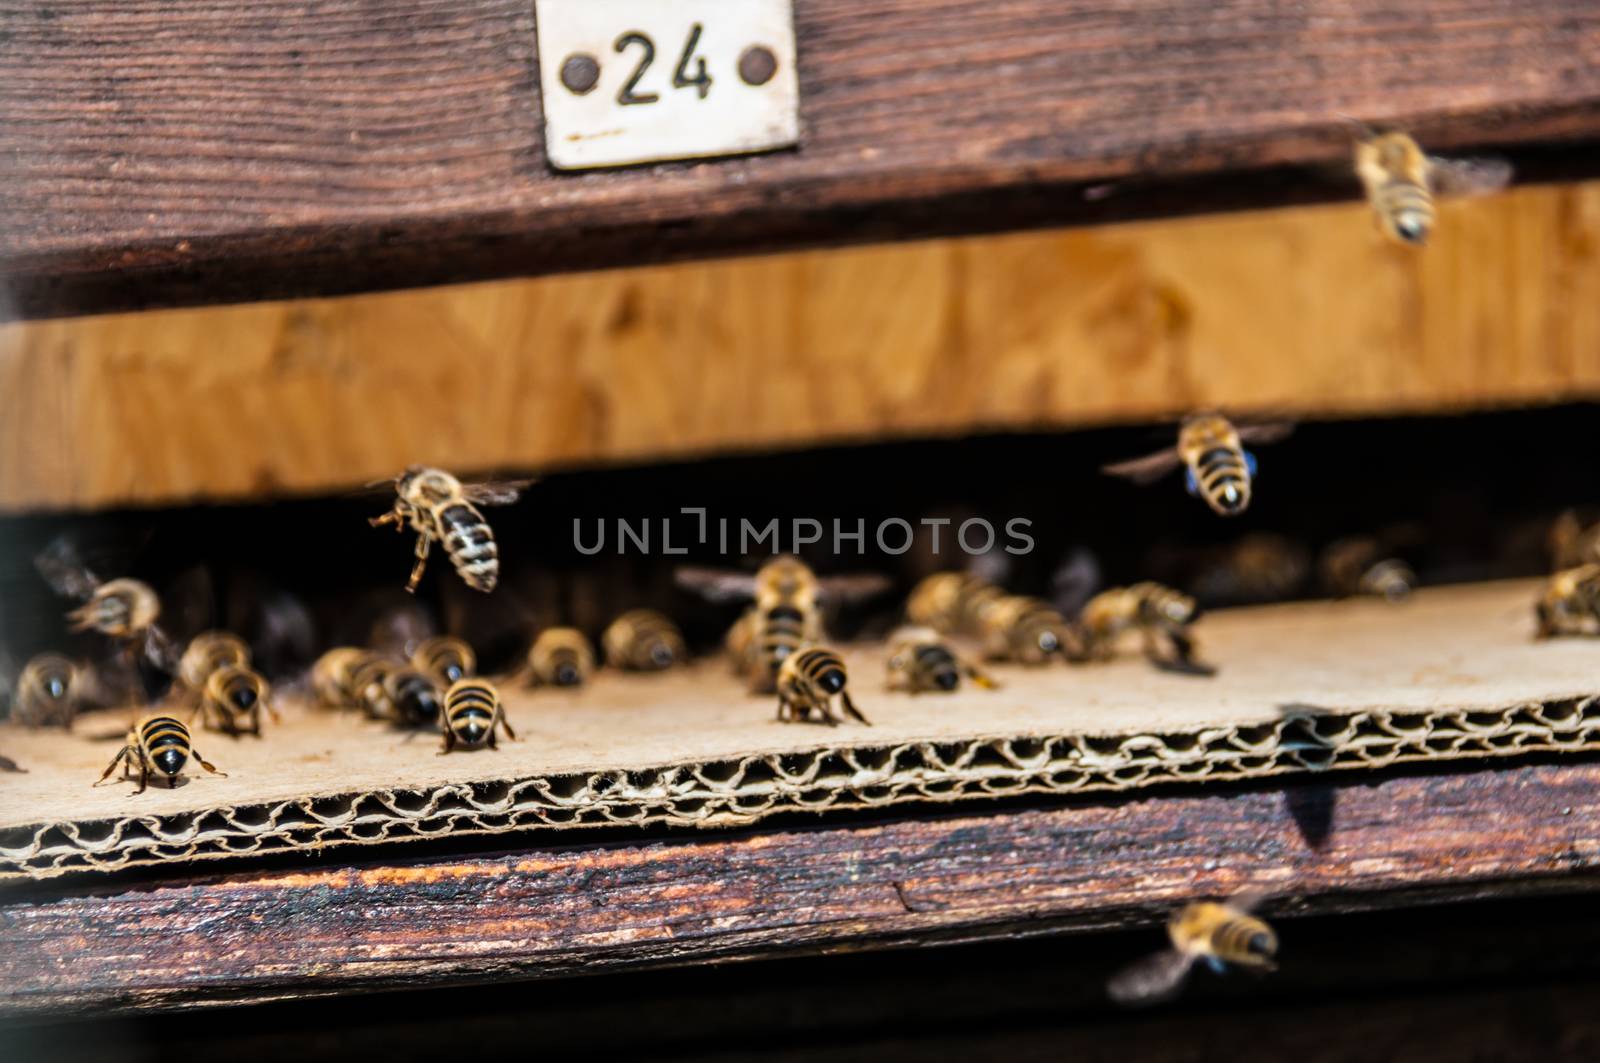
(278, 934)
(1306, 311)
(159, 153)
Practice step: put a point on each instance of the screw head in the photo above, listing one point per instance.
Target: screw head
(757, 64)
(580, 73)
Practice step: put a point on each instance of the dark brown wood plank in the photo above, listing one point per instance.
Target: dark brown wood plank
(160, 153)
(254, 936)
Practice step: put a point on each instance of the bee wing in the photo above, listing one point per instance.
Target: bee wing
(1248, 899)
(160, 650)
(65, 571)
(1150, 980)
(1147, 469)
(716, 584)
(496, 492)
(1268, 432)
(1468, 177)
(852, 587)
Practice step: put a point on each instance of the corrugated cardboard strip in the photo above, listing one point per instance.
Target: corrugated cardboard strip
(1308, 687)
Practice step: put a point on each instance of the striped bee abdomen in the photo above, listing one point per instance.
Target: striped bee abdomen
(1222, 476)
(472, 710)
(561, 656)
(1244, 940)
(445, 658)
(783, 631)
(938, 666)
(470, 544)
(643, 640)
(166, 743)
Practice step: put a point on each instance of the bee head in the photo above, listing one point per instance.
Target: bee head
(453, 671)
(56, 687)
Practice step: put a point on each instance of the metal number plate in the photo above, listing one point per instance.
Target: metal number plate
(630, 81)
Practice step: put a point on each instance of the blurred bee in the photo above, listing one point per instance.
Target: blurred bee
(444, 658)
(49, 692)
(1357, 566)
(642, 640)
(786, 612)
(206, 653)
(952, 603)
(125, 610)
(7, 764)
(1572, 544)
(338, 675)
(1260, 567)
(1401, 180)
(1570, 604)
(1158, 613)
(1211, 448)
(232, 700)
(397, 693)
(437, 506)
(921, 660)
(399, 628)
(1026, 630)
(808, 681)
(472, 710)
(1222, 935)
(562, 657)
(158, 744)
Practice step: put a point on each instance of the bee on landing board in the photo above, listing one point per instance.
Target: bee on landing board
(159, 745)
(921, 660)
(1570, 604)
(952, 603)
(1221, 935)
(1401, 181)
(124, 610)
(1217, 467)
(334, 677)
(560, 657)
(445, 659)
(1160, 614)
(808, 682)
(207, 652)
(1357, 566)
(439, 507)
(1010, 627)
(472, 711)
(232, 700)
(49, 691)
(643, 640)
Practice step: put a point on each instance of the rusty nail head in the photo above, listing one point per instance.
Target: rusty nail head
(757, 64)
(580, 73)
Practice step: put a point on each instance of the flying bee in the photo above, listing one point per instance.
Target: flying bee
(472, 711)
(1357, 566)
(232, 700)
(206, 653)
(921, 660)
(562, 657)
(1401, 181)
(445, 658)
(785, 613)
(1570, 604)
(642, 640)
(1158, 613)
(335, 675)
(1222, 935)
(808, 681)
(1026, 630)
(49, 691)
(124, 610)
(158, 744)
(1211, 449)
(437, 506)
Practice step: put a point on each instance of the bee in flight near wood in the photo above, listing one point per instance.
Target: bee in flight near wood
(1211, 449)
(808, 682)
(1221, 935)
(124, 610)
(1401, 181)
(921, 660)
(159, 745)
(437, 506)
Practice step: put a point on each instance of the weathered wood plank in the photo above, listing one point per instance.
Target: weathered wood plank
(289, 933)
(161, 153)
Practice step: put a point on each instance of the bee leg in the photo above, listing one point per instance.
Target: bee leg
(978, 676)
(449, 742)
(423, 544)
(501, 714)
(850, 707)
(394, 516)
(118, 759)
(272, 712)
(144, 773)
(198, 759)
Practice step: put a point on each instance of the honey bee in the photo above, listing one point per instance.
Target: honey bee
(921, 660)
(808, 681)
(437, 506)
(395, 692)
(785, 614)
(1156, 612)
(158, 744)
(1572, 544)
(642, 640)
(562, 657)
(49, 691)
(207, 652)
(232, 700)
(336, 676)
(952, 603)
(125, 610)
(1401, 181)
(1357, 566)
(472, 710)
(1211, 448)
(1222, 935)
(1570, 604)
(1026, 630)
(444, 658)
